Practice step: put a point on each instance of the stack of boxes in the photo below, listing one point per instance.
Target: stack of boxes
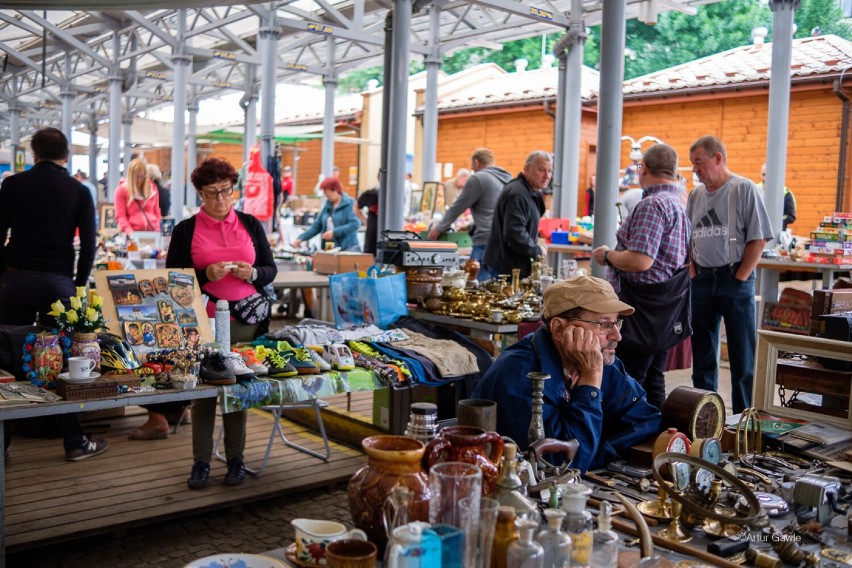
(831, 243)
(836, 301)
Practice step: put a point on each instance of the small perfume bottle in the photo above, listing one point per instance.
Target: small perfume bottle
(556, 543)
(605, 547)
(525, 552)
(578, 523)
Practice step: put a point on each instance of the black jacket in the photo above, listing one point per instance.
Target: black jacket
(180, 250)
(514, 229)
(44, 207)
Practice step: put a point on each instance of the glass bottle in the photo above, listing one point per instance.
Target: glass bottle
(578, 523)
(510, 488)
(525, 552)
(605, 546)
(504, 534)
(395, 513)
(556, 543)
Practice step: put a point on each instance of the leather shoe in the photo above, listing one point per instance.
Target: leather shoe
(141, 434)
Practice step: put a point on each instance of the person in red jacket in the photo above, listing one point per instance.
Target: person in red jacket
(137, 203)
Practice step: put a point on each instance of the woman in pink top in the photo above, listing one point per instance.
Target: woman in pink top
(137, 203)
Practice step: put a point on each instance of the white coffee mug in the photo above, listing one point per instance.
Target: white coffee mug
(80, 367)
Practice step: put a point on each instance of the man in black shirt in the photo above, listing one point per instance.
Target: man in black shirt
(42, 209)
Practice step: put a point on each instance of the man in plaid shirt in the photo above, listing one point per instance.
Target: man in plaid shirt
(651, 246)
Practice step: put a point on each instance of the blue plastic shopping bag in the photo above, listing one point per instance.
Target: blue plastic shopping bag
(377, 299)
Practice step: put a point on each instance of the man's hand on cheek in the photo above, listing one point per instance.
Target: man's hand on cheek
(583, 351)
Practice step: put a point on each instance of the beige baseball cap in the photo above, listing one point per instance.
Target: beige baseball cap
(587, 292)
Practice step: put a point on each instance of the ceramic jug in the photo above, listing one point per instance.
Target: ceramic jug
(471, 445)
(414, 546)
(391, 461)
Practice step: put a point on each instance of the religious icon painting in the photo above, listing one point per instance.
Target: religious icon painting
(148, 337)
(167, 311)
(181, 286)
(137, 313)
(168, 335)
(133, 332)
(192, 336)
(187, 317)
(161, 285)
(124, 289)
(146, 288)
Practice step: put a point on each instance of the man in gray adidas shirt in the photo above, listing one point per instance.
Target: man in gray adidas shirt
(730, 227)
(479, 194)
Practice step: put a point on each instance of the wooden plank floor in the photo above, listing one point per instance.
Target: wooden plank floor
(134, 483)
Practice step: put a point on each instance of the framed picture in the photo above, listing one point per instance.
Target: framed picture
(20, 160)
(106, 216)
(416, 198)
(430, 194)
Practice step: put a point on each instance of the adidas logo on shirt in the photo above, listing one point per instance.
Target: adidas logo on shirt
(709, 226)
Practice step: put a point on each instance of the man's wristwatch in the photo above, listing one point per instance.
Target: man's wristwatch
(606, 258)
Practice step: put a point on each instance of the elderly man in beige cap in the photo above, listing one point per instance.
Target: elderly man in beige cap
(589, 396)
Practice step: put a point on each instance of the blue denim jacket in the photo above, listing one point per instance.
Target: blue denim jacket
(606, 421)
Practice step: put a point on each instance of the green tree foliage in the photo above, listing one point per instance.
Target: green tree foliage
(676, 38)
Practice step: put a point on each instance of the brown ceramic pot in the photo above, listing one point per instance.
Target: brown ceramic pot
(391, 461)
(471, 445)
(419, 282)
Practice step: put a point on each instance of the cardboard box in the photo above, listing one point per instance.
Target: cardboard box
(339, 262)
(785, 317)
(831, 301)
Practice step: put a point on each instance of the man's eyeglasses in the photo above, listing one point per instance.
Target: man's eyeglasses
(604, 327)
(225, 192)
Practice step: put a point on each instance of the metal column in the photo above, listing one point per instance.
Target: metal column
(249, 105)
(127, 123)
(268, 34)
(776, 132)
(114, 159)
(67, 95)
(398, 106)
(609, 124)
(329, 81)
(430, 110)
(93, 153)
(181, 62)
(14, 120)
(192, 143)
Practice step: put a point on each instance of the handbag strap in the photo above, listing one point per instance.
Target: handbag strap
(148, 224)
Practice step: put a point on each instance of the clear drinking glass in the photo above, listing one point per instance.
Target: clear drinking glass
(480, 529)
(450, 484)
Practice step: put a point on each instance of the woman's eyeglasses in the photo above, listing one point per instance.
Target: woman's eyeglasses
(223, 193)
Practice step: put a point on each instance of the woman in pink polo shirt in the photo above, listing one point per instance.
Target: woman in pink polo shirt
(137, 203)
(233, 261)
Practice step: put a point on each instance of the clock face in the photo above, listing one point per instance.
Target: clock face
(709, 450)
(708, 417)
(680, 475)
(678, 445)
(703, 478)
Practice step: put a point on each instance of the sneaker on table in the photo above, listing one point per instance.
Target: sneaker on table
(215, 370)
(235, 362)
(317, 359)
(251, 360)
(279, 368)
(89, 448)
(301, 360)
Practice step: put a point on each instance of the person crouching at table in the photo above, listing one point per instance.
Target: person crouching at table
(233, 261)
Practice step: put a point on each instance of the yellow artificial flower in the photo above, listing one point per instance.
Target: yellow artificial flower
(72, 316)
(91, 315)
(58, 308)
(76, 303)
(81, 291)
(96, 301)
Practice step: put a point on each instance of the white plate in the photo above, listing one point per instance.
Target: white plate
(236, 560)
(67, 378)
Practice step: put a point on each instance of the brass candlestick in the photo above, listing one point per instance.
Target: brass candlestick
(658, 509)
(536, 430)
(675, 531)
